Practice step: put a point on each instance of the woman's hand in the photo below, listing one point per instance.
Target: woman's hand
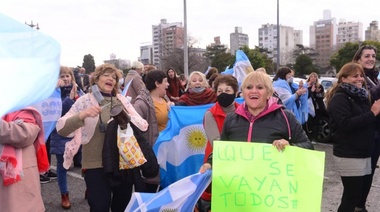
(73, 92)
(90, 112)
(280, 144)
(60, 83)
(204, 168)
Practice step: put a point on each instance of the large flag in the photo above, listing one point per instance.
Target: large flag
(180, 196)
(180, 147)
(50, 110)
(29, 63)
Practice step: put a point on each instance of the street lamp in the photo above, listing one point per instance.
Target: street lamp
(32, 25)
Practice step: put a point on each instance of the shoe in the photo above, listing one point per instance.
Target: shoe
(44, 179)
(50, 174)
(65, 204)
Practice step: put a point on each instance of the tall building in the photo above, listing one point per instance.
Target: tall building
(166, 37)
(238, 40)
(349, 32)
(289, 38)
(323, 38)
(118, 63)
(373, 32)
(146, 53)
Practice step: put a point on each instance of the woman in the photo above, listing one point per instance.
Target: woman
(69, 94)
(153, 106)
(316, 94)
(226, 88)
(87, 121)
(366, 57)
(133, 81)
(175, 88)
(353, 126)
(293, 96)
(197, 91)
(263, 118)
(22, 135)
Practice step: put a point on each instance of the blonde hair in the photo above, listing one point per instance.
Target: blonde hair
(202, 75)
(258, 77)
(67, 70)
(316, 75)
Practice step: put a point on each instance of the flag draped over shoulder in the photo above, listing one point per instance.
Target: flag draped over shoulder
(29, 63)
(50, 110)
(180, 147)
(180, 196)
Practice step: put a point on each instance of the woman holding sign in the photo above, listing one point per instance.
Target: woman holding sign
(261, 119)
(353, 126)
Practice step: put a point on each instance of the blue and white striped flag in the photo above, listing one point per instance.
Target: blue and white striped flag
(29, 62)
(180, 196)
(180, 148)
(241, 67)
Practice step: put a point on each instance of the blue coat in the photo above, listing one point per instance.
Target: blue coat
(57, 142)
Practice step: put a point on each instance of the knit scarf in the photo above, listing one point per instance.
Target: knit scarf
(362, 93)
(193, 98)
(11, 157)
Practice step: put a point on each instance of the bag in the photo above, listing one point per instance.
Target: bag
(311, 107)
(130, 154)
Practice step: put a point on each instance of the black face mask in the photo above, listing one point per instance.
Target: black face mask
(225, 99)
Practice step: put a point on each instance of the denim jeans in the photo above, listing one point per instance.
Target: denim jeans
(61, 175)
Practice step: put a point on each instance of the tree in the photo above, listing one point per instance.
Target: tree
(175, 60)
(223, 60)
(304, 65)
(258, 58)
(88, 63)
(346, 53)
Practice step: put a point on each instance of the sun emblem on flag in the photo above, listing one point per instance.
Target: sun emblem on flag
(196, 139)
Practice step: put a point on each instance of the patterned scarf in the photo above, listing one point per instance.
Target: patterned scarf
(362, 93)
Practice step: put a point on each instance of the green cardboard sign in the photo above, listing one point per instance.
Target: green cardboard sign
(257, 177)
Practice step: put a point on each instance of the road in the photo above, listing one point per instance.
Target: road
(332, 188)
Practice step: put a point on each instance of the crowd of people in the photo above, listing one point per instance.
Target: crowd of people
(95, 112)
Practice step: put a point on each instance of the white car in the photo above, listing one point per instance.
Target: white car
(327, 82)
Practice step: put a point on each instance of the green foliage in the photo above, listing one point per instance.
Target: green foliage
(88, 63)
(304, 65)
(346, 53)
(218, 57)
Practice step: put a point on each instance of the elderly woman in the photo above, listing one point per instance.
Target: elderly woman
(266, 121)
(226, 88)
(87, 121)
(353, 118)
(198, 91)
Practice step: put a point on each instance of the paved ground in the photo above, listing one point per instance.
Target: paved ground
(332, 189)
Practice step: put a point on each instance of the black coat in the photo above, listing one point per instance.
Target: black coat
(352, 124)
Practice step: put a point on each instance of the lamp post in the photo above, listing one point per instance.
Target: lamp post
(32, 25)
(278, 35)
(185, 49)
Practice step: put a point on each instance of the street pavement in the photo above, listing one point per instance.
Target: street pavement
(332, 188)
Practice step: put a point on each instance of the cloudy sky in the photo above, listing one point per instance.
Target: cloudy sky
(102, 27)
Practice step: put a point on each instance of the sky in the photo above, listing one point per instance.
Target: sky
(103, 27)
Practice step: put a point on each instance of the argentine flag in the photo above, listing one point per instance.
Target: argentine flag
(181, 146)
(50, 110)
(180, 196)
(241, 67)
(29, 62)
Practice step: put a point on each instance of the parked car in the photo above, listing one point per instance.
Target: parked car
(327, 82)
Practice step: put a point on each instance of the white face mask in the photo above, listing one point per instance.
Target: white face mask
(290, 79)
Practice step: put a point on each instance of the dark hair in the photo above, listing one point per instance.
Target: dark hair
(228, 79)
(152, 77)
(211, 72)
(212, 79)
(359, 52)
(281, 73)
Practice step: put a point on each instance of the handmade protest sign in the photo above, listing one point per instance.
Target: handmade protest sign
(256, 177)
